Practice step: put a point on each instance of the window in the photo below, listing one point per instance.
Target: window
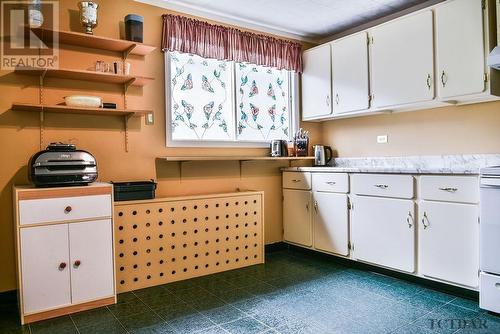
(221, 103)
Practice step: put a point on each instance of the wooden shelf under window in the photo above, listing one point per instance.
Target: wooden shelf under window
(62, 73)
(95, 42)
(78, 110)
(232, 158)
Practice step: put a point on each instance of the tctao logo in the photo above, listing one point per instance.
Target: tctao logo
(29, 34)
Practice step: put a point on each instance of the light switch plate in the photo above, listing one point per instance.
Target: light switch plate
(382, 139)
(150, 119)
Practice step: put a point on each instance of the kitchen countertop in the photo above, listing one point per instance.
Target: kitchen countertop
(459, 164)
(385, 170)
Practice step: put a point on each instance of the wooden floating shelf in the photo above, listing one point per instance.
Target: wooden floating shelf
(96, 42)
(232, 158)
(84, 75)
(78, 110)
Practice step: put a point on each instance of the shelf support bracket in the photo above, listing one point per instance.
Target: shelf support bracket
(127, 52)
(41, 100)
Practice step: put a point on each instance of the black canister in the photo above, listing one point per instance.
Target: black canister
(133, 27)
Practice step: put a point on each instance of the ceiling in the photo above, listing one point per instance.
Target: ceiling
(302, 19)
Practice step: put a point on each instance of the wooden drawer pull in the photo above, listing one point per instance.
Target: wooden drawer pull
(68, 209)
(77, 263)
(62, 265)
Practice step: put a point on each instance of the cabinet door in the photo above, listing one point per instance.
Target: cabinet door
(350, 74)
(383, 232)
(402, 61)
(45, 268)
(91, 249)
(316, 83)
(297, 217)
(449, 242)
(330, 222)
(460, 48)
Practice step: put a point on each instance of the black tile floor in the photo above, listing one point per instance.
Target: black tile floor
(292, 293)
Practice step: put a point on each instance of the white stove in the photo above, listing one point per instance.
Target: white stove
(489, 286)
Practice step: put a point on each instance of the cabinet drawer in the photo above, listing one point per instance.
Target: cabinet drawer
(296, 180)
(463, 189)
(37, 211)
(489, 292)
(397, 186)
(330, 182)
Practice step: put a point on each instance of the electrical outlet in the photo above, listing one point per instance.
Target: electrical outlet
(382, 139)
(150, 120)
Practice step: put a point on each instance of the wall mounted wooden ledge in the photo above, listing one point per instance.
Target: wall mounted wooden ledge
(97, 42)
(64, 73)
(63, 109)
(231, 158)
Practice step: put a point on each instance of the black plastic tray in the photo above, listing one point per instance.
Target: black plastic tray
(132, 191)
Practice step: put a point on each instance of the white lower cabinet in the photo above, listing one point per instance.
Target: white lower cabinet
(331, 222)
(297, 227)
(44, 266)
(449, 242)
(65, 265)
(383, 232)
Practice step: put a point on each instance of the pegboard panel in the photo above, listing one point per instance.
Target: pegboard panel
(172, 239)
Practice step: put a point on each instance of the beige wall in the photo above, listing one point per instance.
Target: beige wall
(104, 136)
(451, 130)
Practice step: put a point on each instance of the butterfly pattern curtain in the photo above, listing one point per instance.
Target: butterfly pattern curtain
(214, 41)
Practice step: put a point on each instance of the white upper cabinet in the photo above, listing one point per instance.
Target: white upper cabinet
(402, 61)
(316, 83)
(350, 74)
(460, 48)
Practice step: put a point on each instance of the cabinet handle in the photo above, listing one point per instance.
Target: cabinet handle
(381, 186)
(425, 219)
(316, 206)
(449, 189)
(62, 265)
(331, 183)
(295, 180)
(429, 81)
(337, 99)
(444, 78)
(328, 100)
(307, 206)
(409, 220)
(68, 209)
(77, 263)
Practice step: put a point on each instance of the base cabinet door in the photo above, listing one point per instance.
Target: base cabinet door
(45, 268)
(331, 223)
(449, 242)
(383, 232)
(297, 224)
(91, 249)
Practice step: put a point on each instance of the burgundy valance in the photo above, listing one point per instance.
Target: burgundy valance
(215, 41)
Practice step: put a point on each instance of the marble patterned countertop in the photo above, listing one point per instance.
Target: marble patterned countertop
(430, 164)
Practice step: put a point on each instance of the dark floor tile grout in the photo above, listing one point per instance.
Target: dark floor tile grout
(114, 316)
